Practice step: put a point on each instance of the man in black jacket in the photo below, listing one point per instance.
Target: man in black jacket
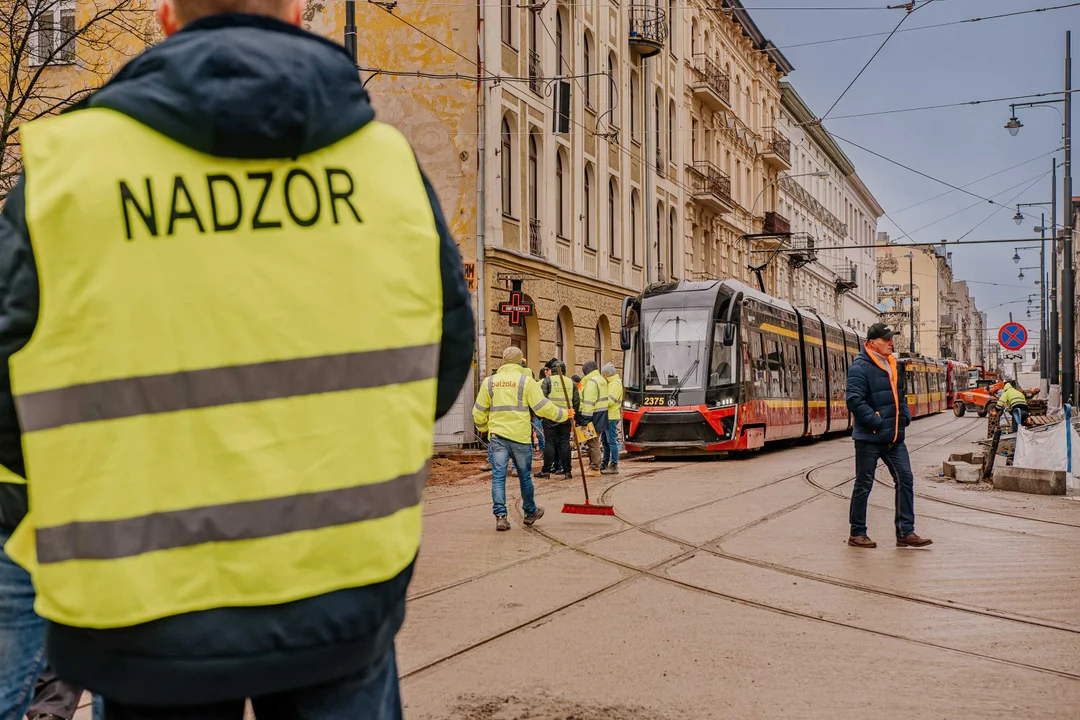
(251, 86)
(875, 398)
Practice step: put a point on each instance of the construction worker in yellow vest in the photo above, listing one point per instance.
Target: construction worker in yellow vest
(1015, 402)
(502, 410)
(251, 313)
(594, 409)
(610, 465)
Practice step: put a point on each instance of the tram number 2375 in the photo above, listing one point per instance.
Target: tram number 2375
(656, 400)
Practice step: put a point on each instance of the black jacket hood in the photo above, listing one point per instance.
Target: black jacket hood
(242, 86)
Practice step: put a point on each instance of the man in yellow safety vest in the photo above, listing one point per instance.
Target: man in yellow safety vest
(610, 465)
(594, 409)
(224, 414)
(502, 410)
(1015, 402)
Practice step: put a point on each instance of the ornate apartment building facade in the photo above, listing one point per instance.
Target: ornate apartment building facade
(833, 218)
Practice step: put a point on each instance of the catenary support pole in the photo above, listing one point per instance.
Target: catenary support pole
(1055, 348)
(1068, 283)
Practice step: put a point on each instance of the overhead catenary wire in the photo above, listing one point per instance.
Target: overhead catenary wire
(858, 75)
(946, 105)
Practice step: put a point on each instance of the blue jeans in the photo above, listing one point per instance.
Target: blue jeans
(611, 443)
(895, 457)
(503, 451)
(538, 426)
(22, 638)
(373, 696)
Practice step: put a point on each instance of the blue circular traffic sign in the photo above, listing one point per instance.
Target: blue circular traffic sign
(1012, 336)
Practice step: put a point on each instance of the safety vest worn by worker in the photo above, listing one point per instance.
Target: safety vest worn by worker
(594, 394)
(558, 385)
(615, 397)
(1011, 397)
(503, 403)
(225, 352)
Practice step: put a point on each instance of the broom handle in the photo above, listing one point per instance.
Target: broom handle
(573, 434)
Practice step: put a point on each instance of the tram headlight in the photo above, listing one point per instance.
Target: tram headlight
(633, 407)
(726, 402)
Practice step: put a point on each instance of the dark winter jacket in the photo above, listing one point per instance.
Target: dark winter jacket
(879, 407)
(236, 86)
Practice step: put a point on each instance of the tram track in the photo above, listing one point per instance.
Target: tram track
(656, 571)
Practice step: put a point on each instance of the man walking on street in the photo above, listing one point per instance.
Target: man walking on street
(614, 418)
(594, 409)
(557, 388)
(877, 403)
(225, 488)
(502, 410)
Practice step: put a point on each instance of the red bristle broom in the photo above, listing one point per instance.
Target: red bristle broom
(576, 508)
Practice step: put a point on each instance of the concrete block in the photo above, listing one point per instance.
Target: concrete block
(978, 459)
(962, 457)
(948, 468)
(1027, 480)
(970, 474)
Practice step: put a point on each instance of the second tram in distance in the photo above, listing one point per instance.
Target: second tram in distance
(713, 367)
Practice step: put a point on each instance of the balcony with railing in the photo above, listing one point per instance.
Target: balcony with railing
(536, 243)
(847, 278)
(776, 149)
(776, 224)
(803, 249)
(709, 83)
(712, 188)
(536, 74)
(648, 29)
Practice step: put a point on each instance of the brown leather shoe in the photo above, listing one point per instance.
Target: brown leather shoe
(913, 540)
(861, 541)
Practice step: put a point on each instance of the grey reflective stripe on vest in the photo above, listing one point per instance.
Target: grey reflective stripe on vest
(230, 385)
(249, 520)
(543, 403)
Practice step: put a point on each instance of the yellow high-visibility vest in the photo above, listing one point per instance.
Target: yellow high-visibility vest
(557, 395)
(594, 394)
(615, 397)
(503, 403)
(1010, 396)
(229, 397)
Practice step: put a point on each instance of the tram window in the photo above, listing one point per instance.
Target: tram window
(722, 368)
(772, 356)
(757, 363)
(794, 370)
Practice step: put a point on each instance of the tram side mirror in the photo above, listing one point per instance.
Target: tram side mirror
(624, 339)
(729, 334)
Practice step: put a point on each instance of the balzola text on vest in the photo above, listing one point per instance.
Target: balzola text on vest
(226, 202)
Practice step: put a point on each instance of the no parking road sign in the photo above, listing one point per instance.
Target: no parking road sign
(1012, 336)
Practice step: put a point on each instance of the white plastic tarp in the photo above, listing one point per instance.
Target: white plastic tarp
(1048, 448)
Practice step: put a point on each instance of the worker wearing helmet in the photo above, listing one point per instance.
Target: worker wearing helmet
(1014, 401)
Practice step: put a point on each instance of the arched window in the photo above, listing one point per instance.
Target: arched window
(587, 210)
(674, 242)
(671, 130)
(693, 37)
(534, 173)
(659, 236)
(671, 24)
(635, 228)
(507, 20)
(560, 62)
(613, 218)
(613, 85)
(560, 196)
(507, 169)
(560, 339)
(634, 106)
(657, 129)
(587, 68)
(598, 347)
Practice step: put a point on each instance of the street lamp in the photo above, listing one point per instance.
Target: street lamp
(1014, 125)
(1018, 218)
(1016, 256)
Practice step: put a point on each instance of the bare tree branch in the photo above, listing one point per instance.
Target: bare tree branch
(55, 52)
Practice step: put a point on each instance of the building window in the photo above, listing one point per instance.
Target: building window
(560, 339)
(659, 237)
(693, 140)
(52, 35)
(671, 130)
(507, 19)
(613, 84)
(634, 107)
(507, 170)
(586, 69)
(587, 210)
(635, 231)
(598, 351)
(613, 218)
(658, 128)
(560, 21)
(534, 172)
(674, 242)
(560, 197)
(534, 46)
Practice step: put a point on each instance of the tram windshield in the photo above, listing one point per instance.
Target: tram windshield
(674, 348)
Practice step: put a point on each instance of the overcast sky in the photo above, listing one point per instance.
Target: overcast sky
(972, 61)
